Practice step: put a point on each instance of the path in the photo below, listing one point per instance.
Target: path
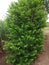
(44, 57)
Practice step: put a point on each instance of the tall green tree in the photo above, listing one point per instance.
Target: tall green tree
(25, 21)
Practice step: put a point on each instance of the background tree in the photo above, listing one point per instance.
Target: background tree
(47, 5)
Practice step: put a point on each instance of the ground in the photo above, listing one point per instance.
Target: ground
(43, 58)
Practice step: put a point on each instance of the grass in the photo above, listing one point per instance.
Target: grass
(46, 28)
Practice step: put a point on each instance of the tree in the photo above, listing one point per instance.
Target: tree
(47, 5)
(25, 21)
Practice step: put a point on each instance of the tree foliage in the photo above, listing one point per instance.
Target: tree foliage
(25, 21)
(47, 5)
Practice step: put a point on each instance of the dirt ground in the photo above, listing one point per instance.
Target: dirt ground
(2, 59)
(43, 59)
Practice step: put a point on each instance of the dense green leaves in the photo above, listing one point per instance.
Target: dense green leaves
(25, 21)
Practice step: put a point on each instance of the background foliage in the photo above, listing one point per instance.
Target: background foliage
(46, 2)
(25, 21)
(3, 32)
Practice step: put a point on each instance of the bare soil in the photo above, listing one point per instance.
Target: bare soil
(43, 59)
(2, 59)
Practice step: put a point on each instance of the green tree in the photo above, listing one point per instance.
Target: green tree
(25, 21)
(47, 5)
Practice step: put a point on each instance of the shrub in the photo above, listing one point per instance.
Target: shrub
(47, 24)
(25, 21)
(3, 31)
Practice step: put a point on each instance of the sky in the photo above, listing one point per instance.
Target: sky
(4, 4)
(48, 18)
